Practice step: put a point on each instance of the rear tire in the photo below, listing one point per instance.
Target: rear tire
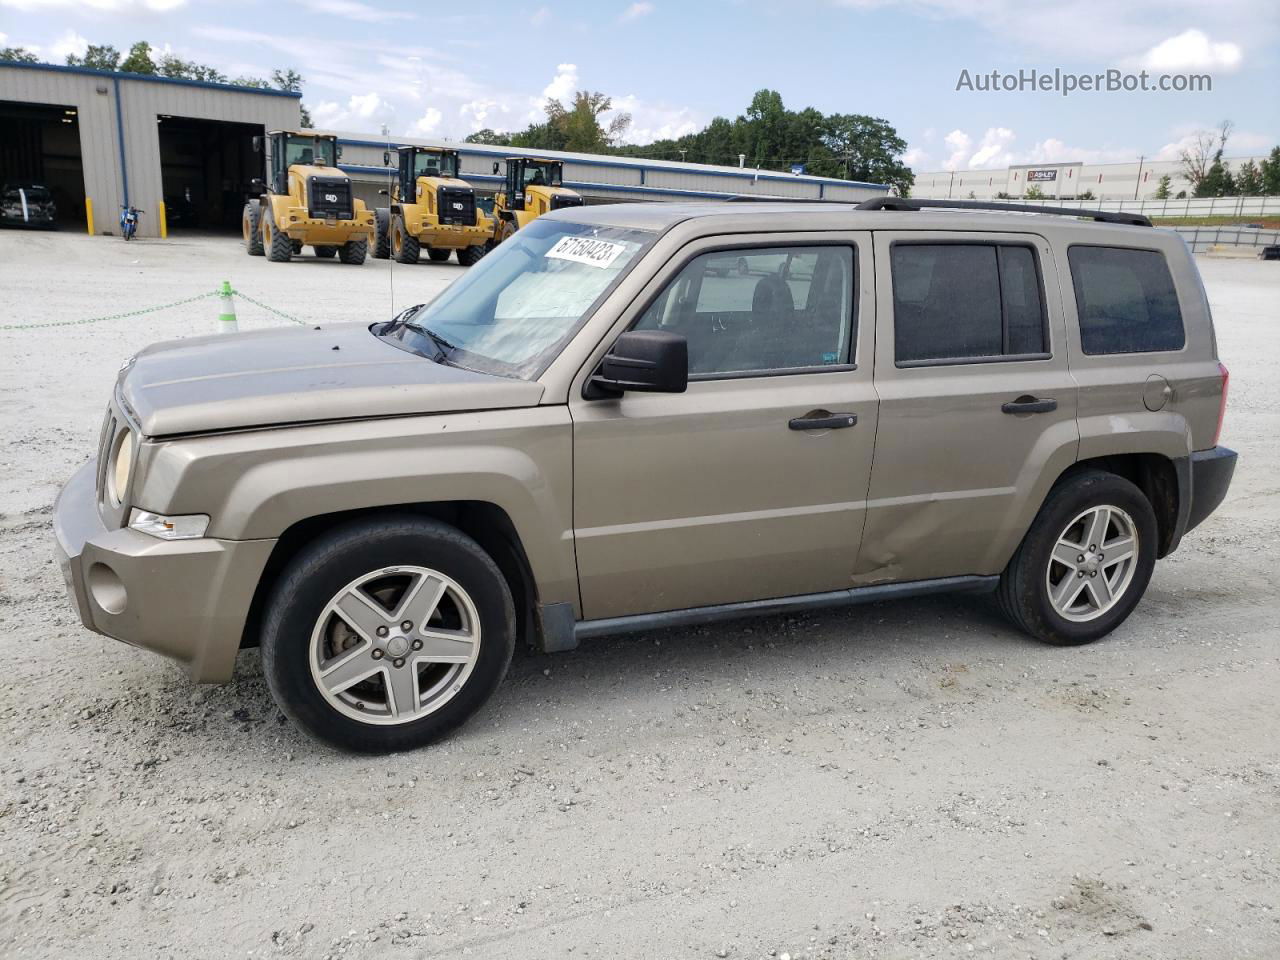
(278, 245)
(354, 252)
(1068, 583)
(405, 248)
(470, 256)
(437, 256)
(326, 252)
(382, 239)
(251, 228)
(377, 563)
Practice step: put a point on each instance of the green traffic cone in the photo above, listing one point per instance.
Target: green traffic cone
(227, 316)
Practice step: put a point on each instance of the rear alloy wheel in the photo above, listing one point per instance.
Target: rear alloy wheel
(387, 634)
(436, 255)
(251, 228)
(1085, 563)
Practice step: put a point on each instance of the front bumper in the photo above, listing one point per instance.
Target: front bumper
(184, 599)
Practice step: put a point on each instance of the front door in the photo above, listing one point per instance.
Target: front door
(752, 484)
(977, 405)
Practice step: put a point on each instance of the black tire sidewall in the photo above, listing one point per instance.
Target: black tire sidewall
(324, 568)
(1066, 502)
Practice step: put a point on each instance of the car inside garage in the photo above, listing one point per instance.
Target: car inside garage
(206, 167)
(40, 147)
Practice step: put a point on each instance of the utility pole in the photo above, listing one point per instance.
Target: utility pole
(951, 184)
(1138, 185)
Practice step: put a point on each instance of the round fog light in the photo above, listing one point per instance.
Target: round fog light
(107, 589)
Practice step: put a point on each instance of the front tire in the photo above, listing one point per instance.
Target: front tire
(251, 229)
(387, 634)
(354, 252)
(278, 245)
(405, 248)
(1085, 563)
(382, 239)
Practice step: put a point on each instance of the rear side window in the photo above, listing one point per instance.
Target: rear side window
(957, 302)
(1126, 300)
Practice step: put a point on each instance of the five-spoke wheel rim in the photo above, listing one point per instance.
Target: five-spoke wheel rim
(1092, 563)
(395, 645)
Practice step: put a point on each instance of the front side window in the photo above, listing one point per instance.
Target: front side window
(435, 165)
(768, 309)
(514, 311)
(541, 174)
(958, 302)
(308, 150)
(1126, 300)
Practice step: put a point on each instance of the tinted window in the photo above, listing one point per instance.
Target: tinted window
(767, 309)
(959, 301)
(1126, 300)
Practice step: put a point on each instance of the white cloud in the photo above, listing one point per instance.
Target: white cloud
(1192, 50)
(94, 6)
(540, 16)
(916, 159)
(998, 147)
(653, 121)
(69, 43)
(1241, 143)
(636, 11)
(562, 85)
(958, 142)
(363, 111)
(352, 10)
(429, 123)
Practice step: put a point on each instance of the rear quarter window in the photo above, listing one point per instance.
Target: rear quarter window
(1126, 301)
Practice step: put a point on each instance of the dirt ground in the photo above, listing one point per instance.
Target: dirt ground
(909, 779)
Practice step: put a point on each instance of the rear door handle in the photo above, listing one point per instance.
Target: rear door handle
(1029, 404)
(821, 420)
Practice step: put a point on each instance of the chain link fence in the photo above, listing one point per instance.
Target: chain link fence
(143, 311)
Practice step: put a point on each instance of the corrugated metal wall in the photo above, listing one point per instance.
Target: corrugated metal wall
(141, 100)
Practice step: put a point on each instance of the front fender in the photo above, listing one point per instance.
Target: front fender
(255, 485)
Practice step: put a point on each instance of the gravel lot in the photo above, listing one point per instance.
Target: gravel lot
(910, 779)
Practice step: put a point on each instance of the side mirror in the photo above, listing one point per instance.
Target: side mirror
(337, 151)
(258, 185)
(384, 192)
(646, 361)
(495, 167)
(257, 144)
(386, 158)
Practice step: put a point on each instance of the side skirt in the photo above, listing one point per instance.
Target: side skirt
(586, 629)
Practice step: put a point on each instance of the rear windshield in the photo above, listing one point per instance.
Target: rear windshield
(1126, 300)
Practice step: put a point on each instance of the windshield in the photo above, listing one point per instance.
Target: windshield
(541, 173)
(435, 165)
(512, 312)
(33, 193)
(307, 150)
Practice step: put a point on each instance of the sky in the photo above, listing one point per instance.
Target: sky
(446, 70)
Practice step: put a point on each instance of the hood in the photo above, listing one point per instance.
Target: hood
(299, 375)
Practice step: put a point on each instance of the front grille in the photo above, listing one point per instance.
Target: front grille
(457, 205)
(561, 200)
(331, 197)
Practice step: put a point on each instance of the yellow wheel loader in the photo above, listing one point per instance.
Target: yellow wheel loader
(534, 186)
(431, 210)
(305, 201)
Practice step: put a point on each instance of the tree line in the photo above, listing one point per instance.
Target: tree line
(142, 59)
(1211, 176)
(767, 136)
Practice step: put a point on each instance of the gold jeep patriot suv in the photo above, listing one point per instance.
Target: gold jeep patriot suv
(638, 416)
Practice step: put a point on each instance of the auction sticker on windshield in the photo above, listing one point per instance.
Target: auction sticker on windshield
(592, 252)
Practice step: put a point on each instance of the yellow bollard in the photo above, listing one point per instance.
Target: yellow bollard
(88, 214)
(164, 222)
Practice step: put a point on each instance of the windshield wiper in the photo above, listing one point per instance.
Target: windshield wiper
(443, 346)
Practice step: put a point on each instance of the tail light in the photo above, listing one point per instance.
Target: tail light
(1222, 401)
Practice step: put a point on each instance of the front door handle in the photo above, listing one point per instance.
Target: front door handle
(822, 420)
(1029, 404)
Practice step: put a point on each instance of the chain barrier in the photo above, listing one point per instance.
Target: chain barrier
(156, 309)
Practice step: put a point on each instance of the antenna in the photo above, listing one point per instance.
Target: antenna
(391, 261)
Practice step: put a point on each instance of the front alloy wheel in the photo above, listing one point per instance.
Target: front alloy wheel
(395, 644)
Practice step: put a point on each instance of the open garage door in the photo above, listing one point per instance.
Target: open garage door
(40, 151)
(206, 166)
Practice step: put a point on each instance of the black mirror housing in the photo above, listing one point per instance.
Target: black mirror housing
(257, 144)
(337, 151)
(495, 167)
(645, 361)
(258, 185)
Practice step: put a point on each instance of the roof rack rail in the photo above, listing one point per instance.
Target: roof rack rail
(754, 198)
(906, 203)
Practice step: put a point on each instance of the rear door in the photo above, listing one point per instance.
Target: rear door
(977, 405)
(752, 484)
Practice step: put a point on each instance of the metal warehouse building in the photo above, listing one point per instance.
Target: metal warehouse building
(100, 140)
(119, 138)
(604, 179)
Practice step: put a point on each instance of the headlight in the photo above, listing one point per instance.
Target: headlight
(119, 467)
(189, 527)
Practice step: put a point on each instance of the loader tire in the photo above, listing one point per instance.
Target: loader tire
(405, 248)
(436, 255)
(470, 256)
(251, 228)
(278, 245)
(382, 240)
(354, 252)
